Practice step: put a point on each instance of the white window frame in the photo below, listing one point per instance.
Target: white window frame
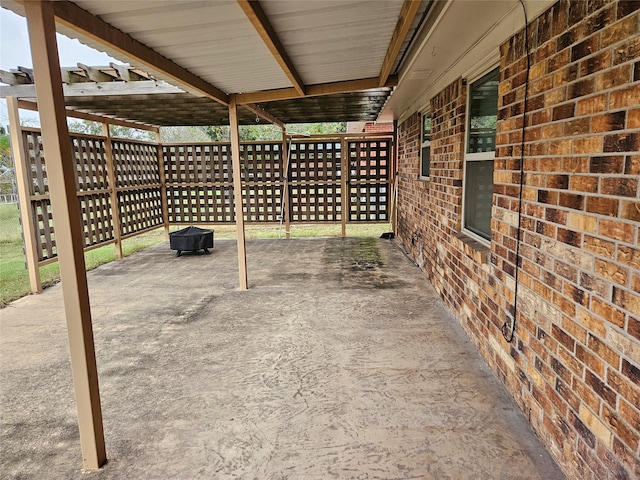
(473, 157)
(423, 144)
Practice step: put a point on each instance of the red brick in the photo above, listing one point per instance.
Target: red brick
(630, 211)
(582, 183)
(610, 164)
(629, 256)
(592, 105)
(626, 300)
(616, 230)
(612, 271)
(599, 246)
(607, 312)
(603, 206)
(619, 186)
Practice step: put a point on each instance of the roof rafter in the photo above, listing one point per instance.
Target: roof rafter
(258, 18)
(315, 90)
(74, 17)
(405, 20)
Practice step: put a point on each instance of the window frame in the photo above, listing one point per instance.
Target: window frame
(423, 144)
(476, 156)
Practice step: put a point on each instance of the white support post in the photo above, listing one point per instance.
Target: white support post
(69, 231)
(24, 194)
(237, 191)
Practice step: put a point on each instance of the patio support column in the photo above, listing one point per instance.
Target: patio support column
(285, 196)
(344, 185)
(69, 232)
(24, 195)
(112, 177)
(163, 186)
(237, 191)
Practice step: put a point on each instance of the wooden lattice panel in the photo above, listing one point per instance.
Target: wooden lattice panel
(369, 162)
(96, 218)
(37, 170)
(45, 236)
(136, 163)
(200, 163)
(368, 202)
(261, 162)
(263, 203)
(314, 161)
(369, 159)
(91, 163)
(200, 204)
(140, 209)
(315, 203)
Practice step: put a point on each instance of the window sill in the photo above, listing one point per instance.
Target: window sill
(474, 249)
(424, 179)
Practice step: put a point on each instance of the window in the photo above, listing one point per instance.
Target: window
(480, 151)
(425, 141)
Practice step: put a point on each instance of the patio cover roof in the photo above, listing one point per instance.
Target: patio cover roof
(326, 60)
(300, 61)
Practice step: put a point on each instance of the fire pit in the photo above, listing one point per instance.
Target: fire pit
(191, 239)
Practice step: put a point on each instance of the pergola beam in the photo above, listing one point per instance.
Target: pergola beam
(33, 106)
(93, 89)
(258, 18)
(408, 13)
(69, 231)
(315, 90)
(74, 17)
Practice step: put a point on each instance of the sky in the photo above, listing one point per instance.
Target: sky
(15, 51)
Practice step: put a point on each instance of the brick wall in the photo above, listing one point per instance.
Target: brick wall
(574, 364)
(375, 127)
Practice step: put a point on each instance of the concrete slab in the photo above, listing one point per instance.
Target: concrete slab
(339, 362)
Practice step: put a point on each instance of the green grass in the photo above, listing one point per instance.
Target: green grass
(14, 278)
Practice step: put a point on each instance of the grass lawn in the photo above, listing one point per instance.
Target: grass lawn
(14, 279)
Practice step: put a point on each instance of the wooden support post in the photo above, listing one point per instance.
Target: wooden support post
(237, 191)
(21, 164)
(286, 207)
(346, 191)
(112, 178)
(69, 232)
(163, 186)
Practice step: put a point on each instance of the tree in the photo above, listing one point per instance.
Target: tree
(268, 132)
(95, 128)
(7, 172)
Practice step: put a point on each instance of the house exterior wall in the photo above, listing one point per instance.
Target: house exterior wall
(573, 366)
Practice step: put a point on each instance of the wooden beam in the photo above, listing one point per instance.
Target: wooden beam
(99, 89)
(74, 17)
(237, 192)
(163, 186)
(258, 18)
(263, 114)
(112, 178)
(315, 90)
(33, 106)
(405, 20)
(24, 194)
(69, 231)
(345, 188)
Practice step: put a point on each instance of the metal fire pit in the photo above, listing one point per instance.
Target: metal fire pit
(191, 239)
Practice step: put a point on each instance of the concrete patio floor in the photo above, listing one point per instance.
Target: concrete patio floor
(339, 362)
